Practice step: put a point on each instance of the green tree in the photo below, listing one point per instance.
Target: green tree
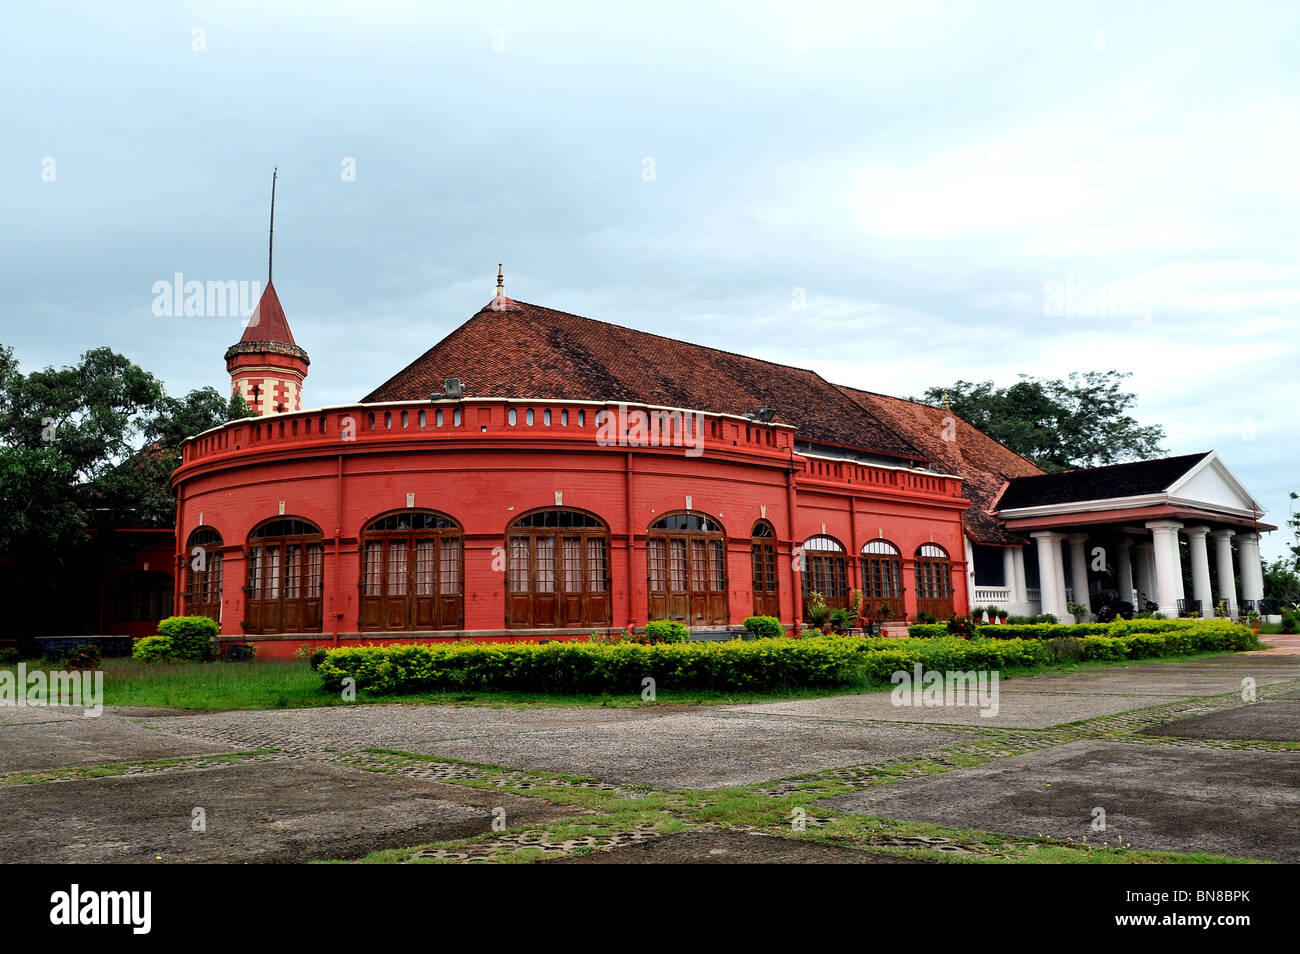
(1080, 421)
(1293, 522)
(1281, 582)
(91, 445)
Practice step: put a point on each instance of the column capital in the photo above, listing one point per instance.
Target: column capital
(1223, 534)
(1076, 538)
(1199, 531)
(1248, 537)
(1047, 535)
(1156, 526)
(1145, 545)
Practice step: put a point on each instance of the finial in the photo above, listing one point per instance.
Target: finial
(270, 245)
(946, 405)
(501, 282)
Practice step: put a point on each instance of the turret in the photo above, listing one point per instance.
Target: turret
(267, 367)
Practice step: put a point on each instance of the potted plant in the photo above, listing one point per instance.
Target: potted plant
(1253, 616)
(818, 612)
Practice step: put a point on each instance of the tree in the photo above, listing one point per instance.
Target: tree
(1281, 582)
(1293, 522)
(137, 492)
(1082, 421)
(88, 446)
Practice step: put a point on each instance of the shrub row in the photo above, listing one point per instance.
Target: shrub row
(1215, 635)
(1242, 637)
(591, 667)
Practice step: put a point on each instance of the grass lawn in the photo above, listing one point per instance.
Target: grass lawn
(293, 685)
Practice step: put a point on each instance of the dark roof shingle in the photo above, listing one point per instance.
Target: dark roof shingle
(268, 322)
(984, 464)
(1131, 479)
(517, 350)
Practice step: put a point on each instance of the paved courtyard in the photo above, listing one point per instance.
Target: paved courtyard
(1171, 753)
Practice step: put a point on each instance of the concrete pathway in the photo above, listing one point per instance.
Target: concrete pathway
(1197, 755)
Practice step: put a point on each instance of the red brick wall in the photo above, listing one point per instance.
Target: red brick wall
(485, 484)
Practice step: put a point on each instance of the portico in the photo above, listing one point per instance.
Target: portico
(1139, 534)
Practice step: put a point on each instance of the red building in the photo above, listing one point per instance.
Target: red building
(537, 474)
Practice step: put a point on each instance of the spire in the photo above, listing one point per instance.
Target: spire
(267, 367)
(268, 325)
(270, 245)
(501, 302)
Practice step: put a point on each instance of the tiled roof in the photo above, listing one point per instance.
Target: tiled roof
(268, 322)
(1098, 483)
(517, 350)
(984, 464)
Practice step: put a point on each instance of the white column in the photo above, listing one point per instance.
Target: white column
(1079, 573)
(1200, 560)
(1018, 560)
(970, 574)
(1169, 567)
(1124, 571)
(1051, 573)
(1009, 575)
(1223, 563)
(1252, 574)
(1146, 575)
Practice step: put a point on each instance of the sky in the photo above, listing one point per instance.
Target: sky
(896, 196)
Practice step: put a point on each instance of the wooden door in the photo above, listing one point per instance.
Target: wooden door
(285, 564)
(203, 575)
(767, 598)
(557, 580)
(687, 578)
(882, 581)
(934, 583)
(411, 573)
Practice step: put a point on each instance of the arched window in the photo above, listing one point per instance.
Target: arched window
(412, 574)
(826, 571)
(762, 552)
(203, 566)
(933, 581)
(882, 579)
(142, 596)
(285, 577)
(687, 564)
(557, 570)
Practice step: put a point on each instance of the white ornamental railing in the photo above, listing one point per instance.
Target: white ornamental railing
(994, 595)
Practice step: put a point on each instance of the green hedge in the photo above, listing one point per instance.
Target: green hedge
(764, 626)
(152, 648)
(1210, 632)
(665, 631)
(756, 665)
(192, 637)
(590, 667)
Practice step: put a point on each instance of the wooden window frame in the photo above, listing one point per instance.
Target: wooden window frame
(693, 588)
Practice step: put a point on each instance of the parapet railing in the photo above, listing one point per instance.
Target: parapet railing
(621, 426)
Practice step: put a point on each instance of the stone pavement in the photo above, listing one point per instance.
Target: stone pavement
(1171, 752)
